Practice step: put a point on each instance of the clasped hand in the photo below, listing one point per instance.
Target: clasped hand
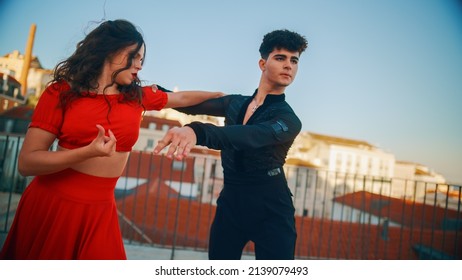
(103, 145)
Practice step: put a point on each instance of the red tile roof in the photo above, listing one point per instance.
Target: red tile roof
(405, 212)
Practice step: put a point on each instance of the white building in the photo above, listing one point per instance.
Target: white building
(419, 182)
(322, 167)
(342, 155)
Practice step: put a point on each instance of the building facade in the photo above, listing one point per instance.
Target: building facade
(11, 65)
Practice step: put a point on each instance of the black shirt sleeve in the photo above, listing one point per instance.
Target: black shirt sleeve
(283, 128)
(212, 107)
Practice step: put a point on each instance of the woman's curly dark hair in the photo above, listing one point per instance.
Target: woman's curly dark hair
(282, 39)
(82, 69)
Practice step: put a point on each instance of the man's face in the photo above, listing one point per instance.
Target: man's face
(280, 68)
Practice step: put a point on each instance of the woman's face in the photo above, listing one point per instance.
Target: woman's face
(120, 60)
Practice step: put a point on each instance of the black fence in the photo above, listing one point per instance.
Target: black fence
(170, 204)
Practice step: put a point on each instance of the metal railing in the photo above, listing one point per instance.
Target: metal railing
(170, 204)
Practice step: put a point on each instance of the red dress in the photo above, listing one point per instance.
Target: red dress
(68, 214)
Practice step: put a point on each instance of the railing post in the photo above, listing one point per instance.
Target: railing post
(172, 255)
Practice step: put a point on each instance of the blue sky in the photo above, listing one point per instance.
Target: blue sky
(386, 72)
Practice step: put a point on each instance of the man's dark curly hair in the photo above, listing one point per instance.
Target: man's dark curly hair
(82, 69)
(282, 39)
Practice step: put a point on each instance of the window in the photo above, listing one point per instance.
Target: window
(358, 163)
(299, 181)
(178, 165)
(9, 125)
(150, 144)
(349, 161)
(338, 161)
(152, 126)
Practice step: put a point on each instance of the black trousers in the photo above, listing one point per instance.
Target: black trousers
(261, 213)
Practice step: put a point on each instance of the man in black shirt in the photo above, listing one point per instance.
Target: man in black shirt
(255, 203)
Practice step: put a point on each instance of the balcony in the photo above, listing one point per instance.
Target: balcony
(168, 206)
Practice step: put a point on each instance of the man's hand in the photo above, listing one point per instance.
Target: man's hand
(181, 141)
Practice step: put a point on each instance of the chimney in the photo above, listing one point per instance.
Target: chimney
(27, 60)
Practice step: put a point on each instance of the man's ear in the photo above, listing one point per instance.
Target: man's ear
(262, 64)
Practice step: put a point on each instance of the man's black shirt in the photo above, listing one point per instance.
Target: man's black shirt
(256, 148)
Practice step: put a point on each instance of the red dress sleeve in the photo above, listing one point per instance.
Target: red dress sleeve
(48, 115)
(154, 100)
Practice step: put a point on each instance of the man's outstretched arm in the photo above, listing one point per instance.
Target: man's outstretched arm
(238, 137)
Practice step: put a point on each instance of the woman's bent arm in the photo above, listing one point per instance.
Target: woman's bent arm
(36, 159)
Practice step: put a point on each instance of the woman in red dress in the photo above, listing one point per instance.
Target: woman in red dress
(93, 107)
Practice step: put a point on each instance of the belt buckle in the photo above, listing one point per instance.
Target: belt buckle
(274, 172)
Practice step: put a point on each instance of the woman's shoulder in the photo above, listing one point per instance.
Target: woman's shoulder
(153, 98)
(56, 87)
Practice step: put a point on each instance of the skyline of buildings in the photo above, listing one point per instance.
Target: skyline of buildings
(333, 153)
